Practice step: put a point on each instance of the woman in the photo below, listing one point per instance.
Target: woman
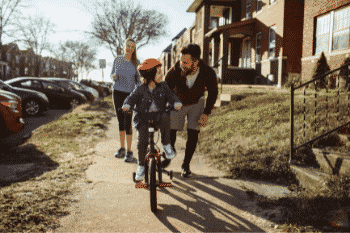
(126, 78)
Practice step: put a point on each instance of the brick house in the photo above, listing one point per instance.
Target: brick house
(165, 59)
(326, 28)
(27, 65)
(250, 42)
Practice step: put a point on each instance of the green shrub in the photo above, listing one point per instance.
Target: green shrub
(320, 68)
(293, 80)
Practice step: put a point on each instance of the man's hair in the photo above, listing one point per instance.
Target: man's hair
(193, 49)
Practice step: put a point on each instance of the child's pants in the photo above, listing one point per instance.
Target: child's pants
(163, 123)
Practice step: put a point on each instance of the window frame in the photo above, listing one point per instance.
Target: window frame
(259, 3)
(331, 31)
(257, 47)
(248, 9)
(274, 47)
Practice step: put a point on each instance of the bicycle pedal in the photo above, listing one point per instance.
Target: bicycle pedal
(140, 185)
(164, 185)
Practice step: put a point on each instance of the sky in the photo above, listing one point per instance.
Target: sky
(72, 18)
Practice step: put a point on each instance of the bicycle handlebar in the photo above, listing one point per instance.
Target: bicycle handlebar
(167, 109)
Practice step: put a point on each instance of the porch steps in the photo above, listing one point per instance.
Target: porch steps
(331, 165)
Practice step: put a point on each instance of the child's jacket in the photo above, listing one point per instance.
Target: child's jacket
(141, 99)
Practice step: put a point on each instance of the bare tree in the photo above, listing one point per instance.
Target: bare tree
(80, 54)
(33, 32)
(9, 10)
(114, 21)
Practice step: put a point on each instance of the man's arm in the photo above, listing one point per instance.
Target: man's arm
(212, 87)
(133, 96)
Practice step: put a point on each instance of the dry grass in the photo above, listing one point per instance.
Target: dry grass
(61, 157)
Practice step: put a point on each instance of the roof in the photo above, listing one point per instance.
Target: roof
(179, 35)
(195, 4)
(168, 49)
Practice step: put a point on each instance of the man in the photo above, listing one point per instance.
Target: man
(189, 78)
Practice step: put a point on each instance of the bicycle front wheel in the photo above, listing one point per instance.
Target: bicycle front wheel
(153, 186)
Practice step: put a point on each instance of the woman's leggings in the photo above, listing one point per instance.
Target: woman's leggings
(124, 119)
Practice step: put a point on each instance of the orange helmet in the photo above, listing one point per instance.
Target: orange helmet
(149, 64)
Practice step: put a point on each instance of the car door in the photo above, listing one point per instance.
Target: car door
(54, 92)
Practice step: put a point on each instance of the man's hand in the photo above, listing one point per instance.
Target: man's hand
(178, 106)
(203, 120)
(126, 108)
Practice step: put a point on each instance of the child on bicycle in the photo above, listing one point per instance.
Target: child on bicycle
(149, 101)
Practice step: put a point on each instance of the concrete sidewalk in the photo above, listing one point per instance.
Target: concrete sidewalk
(204, 202)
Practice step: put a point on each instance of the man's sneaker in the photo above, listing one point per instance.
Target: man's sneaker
(128, 157)
(120, 153)
(140, 173)
(169, 151)
(185, 172)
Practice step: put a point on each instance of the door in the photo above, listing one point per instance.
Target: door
(54, 93)
(246, 53)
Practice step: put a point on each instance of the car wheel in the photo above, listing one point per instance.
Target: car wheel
(74, 103)
(31, 107)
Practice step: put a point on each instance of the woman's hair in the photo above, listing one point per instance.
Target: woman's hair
(148, 75)
(134, 60)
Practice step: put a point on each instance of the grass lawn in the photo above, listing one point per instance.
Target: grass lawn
(61, 151)
(251, 138)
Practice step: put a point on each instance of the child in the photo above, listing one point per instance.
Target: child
(150, 100)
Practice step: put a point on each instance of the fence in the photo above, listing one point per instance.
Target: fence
(331, 75)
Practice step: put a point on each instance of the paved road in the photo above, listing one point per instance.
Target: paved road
(203, 203)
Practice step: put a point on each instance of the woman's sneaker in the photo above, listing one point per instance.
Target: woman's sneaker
(169, 151)
(120, 153)
(140, 173)
(128, 157)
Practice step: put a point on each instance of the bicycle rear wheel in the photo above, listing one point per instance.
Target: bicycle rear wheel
(153, 186)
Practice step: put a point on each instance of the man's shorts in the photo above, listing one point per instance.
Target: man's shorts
(192, 112)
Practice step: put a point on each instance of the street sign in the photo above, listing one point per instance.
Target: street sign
(102, 63)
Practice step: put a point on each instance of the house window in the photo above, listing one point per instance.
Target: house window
(258, 5)
(248, 13)
(272, 42)
(227, 16)
(340, 37)
(272, 2)
(229, 54)
(246, 52)
(199, 21)
(17, 71)
(8, 56)
(214, 22)
(332, 31)
(17, 59)
(26, 71)
(258, 48)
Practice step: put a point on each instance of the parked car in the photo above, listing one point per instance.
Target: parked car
(58, 95)
(71, 85)
(102, 91)
(11, 119)
(33, 102)
(92, 90)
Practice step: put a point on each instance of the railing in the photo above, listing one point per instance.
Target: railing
(321, 77)
(216, 65)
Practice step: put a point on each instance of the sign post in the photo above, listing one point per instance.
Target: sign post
(102, 66)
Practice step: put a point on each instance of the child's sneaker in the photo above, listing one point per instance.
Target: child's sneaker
(169, 151)
(140, 173)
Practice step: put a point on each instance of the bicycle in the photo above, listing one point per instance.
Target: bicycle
(153, 157)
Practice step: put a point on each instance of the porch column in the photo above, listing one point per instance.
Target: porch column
(216, 46)
(205, 30)
(224, 55)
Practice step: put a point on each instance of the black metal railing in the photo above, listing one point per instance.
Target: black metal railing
(332, 73)
(216, 65)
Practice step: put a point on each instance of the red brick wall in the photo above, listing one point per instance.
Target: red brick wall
(311, 11)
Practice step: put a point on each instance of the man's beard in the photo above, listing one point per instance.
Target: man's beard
(187, 72)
